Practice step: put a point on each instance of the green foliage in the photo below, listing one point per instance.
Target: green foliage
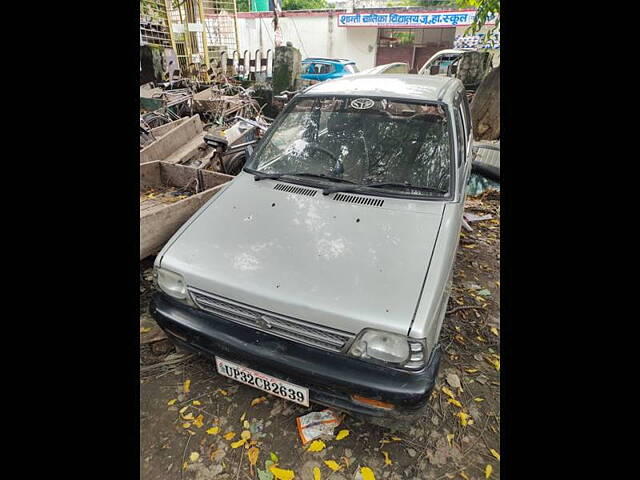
(484, 9)
(243, 5)
(305, 5)
(405, 38)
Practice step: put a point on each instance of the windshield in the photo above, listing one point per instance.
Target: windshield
(362, 141)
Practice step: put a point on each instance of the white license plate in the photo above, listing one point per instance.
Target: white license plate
(261, 381)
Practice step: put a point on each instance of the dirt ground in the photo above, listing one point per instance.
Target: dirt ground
(459, 436)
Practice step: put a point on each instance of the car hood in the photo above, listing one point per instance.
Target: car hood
(342, 265)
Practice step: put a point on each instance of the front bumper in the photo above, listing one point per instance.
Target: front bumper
(330, 377)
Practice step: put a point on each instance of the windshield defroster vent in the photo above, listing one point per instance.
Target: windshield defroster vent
(368, 201)
(285, 187)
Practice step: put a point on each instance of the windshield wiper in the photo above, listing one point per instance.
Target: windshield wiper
(274, 176)
(359, 187)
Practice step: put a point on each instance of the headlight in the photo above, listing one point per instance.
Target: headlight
(171, 283)
(390, 348)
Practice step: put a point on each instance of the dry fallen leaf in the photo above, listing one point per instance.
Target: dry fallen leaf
(172, 401)
(246, 424)
(243, 416)
(186, 425)
(183, 409)
(478, 399)
(252, 455)
(494, 361)
(245, 435)
(367, 473)
(450, 438)
(333, 465)
(455, 402)
(487, 471)
(213, 430)
(186, 386)
(316, 446)
(316, 473)
(239, 443)
(145, 329)
(223, 392)
(196, 402)
(258, 400)
(342, 434)
(387, 460)
(188, 416)
(281, 474)
(464, 475)
(229, 435)
(494, 453)
(471, 370)
(464, 418)
(448, 392)
(198, 422)
(494, 330)
(194, 456)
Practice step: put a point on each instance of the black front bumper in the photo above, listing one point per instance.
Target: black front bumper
(330, 377)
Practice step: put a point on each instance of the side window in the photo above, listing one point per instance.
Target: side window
(460, 133)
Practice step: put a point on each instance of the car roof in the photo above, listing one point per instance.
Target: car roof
(322, 59)
(401, 86)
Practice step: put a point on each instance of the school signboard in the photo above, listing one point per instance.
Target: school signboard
(409, 19)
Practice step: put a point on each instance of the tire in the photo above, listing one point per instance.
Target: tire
(233, 165)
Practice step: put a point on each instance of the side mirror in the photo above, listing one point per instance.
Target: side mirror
(434, 69)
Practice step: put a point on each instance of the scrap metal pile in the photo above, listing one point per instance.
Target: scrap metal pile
(232, 119)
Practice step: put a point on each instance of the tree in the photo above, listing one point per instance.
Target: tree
(305, 5)
(485, 106)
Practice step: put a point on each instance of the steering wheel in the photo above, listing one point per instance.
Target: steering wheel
(320, 148)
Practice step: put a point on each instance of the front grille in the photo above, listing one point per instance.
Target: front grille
(289, 328)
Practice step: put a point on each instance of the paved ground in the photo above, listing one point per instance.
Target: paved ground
(174, 445)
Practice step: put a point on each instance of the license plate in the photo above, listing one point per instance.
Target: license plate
(264, 382)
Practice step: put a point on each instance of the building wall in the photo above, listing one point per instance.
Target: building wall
(313, 35)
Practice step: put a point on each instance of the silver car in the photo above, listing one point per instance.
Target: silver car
(321, 273)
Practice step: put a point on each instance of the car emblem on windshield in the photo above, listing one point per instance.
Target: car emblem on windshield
(263, 322)
(362, 103)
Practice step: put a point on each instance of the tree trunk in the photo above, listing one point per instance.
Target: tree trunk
(485, 107)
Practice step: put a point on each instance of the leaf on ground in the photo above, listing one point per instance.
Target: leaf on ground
(245, 435)
(243, 416)
(464, 418)
(471, 370)
(252, 455)
(316, 473)
(487, 471)
(464, 475)
(264, 475)
(196, 402)
(213, 430)
(222, 392)
(342, 434)
(145, 330)
(172, 401)
(188, 416)
(448, 392)
(316, 446)
(199, 421)
(453, 380)
(478, 399)
(257, 401)
(494, 330)
(484, 292)
(194, 456)
(229, 435)
(333, 465)
(455, 402)
(367, 473)
(274, 457)
(246, 424)
(387, 460)
(494, 453)
(282, 474)
(239, 443)
(186, 386)
(449, 438)
(183, 409)
(493, 361)
(186, 425)
(396, 439)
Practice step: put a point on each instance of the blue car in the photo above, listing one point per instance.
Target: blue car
(321, 69)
